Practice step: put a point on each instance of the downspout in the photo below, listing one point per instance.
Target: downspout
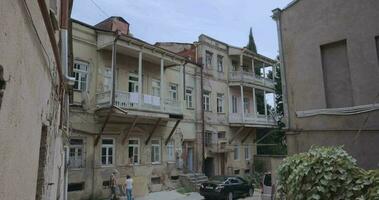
(202, 118)
(277, 17)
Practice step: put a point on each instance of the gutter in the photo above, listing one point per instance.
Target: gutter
(277, 17)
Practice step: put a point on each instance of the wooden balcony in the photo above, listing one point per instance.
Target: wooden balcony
(250, 78)
(252, 119)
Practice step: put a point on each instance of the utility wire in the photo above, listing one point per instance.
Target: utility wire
(99, 8)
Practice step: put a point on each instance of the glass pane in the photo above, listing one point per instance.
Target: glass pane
(103, 160)
(76, 141)
(107, 141)
(133, 141)
(103, 151)
(110, 151)
(110, 160)
(79, 152)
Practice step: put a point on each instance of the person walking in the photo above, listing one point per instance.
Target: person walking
(129, 187)
(113, 185)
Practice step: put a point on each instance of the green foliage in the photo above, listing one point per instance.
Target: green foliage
(325, 173)
(254, 178)
(251, 44)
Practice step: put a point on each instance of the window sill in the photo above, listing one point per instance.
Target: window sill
(221, 113)
(155, 163)
(190, 108)
(171, 162)
(76, 168)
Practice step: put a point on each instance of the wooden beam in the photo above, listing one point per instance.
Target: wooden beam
(152, 130)
(236, 134)
(248, 134)
(121, 110)
(129, 130)
(103, 127)
(172, 131)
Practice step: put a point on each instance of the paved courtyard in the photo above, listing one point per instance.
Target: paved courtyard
(173, 195)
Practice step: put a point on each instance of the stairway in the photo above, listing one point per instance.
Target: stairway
(192, 180)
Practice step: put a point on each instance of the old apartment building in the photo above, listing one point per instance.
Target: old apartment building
(237, 84)
(33, 103)
(331, 72)
(137, 108)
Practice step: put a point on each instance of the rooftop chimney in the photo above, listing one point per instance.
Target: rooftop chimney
(114, 24)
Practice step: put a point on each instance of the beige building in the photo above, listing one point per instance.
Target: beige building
(33, 104)
(142, 127)
(329, 54)
(237, 84)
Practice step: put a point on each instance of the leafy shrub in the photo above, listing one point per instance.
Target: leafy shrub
(254, 178)
(325, 173)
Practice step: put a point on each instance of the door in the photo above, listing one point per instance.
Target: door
(222, 164)
(133, 83)
(190, 159)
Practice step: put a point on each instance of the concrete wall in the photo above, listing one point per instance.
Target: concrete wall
(30, 101)
(306, 26)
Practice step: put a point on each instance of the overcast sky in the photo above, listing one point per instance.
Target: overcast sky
(184, 20)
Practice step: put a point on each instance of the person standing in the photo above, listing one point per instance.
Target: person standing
(113, 185)
(129, 187)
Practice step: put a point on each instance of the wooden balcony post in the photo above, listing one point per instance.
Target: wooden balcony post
(162, 86)
(264, 100)
(254, 103)
(242, 104)
(253, 66)
(140, 82)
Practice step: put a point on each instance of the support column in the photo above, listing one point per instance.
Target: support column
(253, 66)
(140, 82)
(242, 104)
(273, 72)
(162, 86)
(179, 97)
(241, 61)
(230, 101)
(264, 100)
(264, 70)
(254, 103)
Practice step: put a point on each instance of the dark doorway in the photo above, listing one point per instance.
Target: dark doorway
(209, 167)
(222, 163)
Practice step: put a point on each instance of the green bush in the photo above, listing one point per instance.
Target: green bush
(325, 173)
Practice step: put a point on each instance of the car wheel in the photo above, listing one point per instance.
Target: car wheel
(230, 196)
(251, 192)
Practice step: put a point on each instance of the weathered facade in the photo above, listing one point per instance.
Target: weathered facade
(33, 131)
(329, 55)
(237, 84)
(143, 127)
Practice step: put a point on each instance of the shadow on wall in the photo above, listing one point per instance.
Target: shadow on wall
(2, 84)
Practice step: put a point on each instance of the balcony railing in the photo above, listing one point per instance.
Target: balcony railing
(250, 77)
(132, 100)
(251, 118)
(219, 147)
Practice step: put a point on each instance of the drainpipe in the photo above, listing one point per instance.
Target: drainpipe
(202, 118)
(277, 17)
(64, 42)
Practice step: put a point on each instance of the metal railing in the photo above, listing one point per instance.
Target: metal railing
(135, 100)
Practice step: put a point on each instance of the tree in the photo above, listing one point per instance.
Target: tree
(251, 44)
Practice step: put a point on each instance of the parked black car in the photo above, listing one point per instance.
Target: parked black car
(226, 187)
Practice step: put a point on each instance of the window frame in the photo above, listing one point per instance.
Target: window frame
(159, 151)
(208, 58)
(189, 98)
(220, 63)
(108, 146)
(236, 152)
(171, 91)
(247, 152)
(234, 104)
(77, 72)
(138, 146)
(76, 147)
(170, 154)
(246, 104)
(220, 101)
(155, 87)
(207, 101)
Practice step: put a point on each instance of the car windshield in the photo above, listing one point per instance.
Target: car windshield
(218, 179)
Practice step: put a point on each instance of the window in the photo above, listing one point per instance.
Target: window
(220, 67)
(235, 181)
(170, 151)
(76, 153)
(189, 98)
(206, 101)
(234, 104)
(81, 75)
(246, 105)
(107, 151)
(220, 103)
(259, 96)
(107, 79)
(247, 153)
(75, 187)
(208, 58)
(236, 152)
(156, 88)
(221, 135)
(337, 81)
(247, 171)
(133, 83)
(155, 151)
(234, 65)
(208, 138)
(173, 91)
(133, 151)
